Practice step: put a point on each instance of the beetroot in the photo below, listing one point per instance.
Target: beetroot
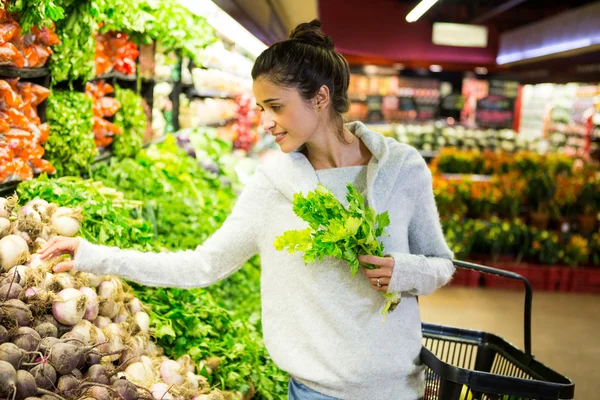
(26, 386)
(68, 385)
(4, 336)
(12, 354)
(64, 357)
(10, 291)
(26, 338)
(126, 389)
(47, 342)
(17, 312)
(46, 329)
(97, 374)
(98, 393)
(8, 379)
(45, 376)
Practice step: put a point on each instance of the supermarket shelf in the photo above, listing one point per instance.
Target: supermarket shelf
(117, 75)
(208, 93)
(104, 156)
(8, 188)
(220, 123)
(473, 177)
(26, 73)
(211, 66)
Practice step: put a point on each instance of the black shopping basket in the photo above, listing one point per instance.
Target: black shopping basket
(468, 365)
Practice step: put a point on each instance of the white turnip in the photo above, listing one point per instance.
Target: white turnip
(102, 322)
(66, 221)
(40, 205)
(143, 321)
(84, 329)
(170, 372)
(14, 250)
(69, 306)
(160, 391)
(4, 227)
(135, 306)
(108, 308)
(138, 373)
(57, 282)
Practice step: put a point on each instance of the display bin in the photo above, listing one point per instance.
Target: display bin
(537, 275)
(462, 364)
(585, 280)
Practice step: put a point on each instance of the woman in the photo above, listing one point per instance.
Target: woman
(320, 324)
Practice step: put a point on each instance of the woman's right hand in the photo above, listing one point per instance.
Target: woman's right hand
(60, 245)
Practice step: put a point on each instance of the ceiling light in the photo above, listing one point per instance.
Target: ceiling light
(435, 68)
(481, 70)
(225, 25)
(419, 10)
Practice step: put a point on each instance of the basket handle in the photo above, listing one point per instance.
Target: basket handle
(510, 275)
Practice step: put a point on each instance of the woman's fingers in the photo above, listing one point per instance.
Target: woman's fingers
(382, 281)
(64, 266)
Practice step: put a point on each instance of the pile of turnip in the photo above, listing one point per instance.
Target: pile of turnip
(74, 335)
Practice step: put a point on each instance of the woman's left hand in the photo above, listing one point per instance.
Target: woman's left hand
(382, 274)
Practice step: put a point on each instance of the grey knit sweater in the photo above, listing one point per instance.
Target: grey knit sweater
(320, 324)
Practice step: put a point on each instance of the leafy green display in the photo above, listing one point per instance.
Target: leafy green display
(38, 13)
(335, 231)
(185, 203)
(109, 218)
(131, 118)
(73, 58)
(71, 147)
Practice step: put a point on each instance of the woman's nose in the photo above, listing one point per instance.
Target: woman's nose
(267, 122)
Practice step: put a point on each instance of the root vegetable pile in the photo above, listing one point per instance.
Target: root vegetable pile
(75, 335)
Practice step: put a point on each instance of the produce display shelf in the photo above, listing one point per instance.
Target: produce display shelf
(103, 156)
(212, 66)
(8, 188)
(116, 75)
(27, 73)
(208, 93)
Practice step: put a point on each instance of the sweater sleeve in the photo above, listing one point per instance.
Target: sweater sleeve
(429, 265)
(218, 257)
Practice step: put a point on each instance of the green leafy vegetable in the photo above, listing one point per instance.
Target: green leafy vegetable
(38, 13)
(109, 218)
(131, 118)
(71, 147)
(73, 58)
(336, 231)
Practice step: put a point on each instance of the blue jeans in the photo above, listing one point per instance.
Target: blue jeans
(297, 391)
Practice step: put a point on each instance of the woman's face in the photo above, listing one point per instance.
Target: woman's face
(286, 115)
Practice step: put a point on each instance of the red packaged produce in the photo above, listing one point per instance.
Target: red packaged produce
(40, 94)
(109, 106)
(31, 114)
(46, 36)
(43, 53)
(19, 134)
(31, 152)
(8, 97)
(32, 58)
(44, 133)
(23, 171)
(16, 119)
(116, 40)
(4, 126)
(104, 127)
(40, 166)
(101, 140)
(10, 55)
(6, 153)
(9, 30)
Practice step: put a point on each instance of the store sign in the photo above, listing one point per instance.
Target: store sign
(459, 35)
(495, 112)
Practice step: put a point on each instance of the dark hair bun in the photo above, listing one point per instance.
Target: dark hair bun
(311, 33)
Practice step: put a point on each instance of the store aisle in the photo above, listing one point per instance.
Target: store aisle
(565, 333)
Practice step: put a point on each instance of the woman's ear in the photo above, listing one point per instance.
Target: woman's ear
(323, 98)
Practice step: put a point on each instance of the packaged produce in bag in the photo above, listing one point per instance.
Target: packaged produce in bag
(46, 35)
(20, 134)
(31, 114)
(32, 58)
(6, 154)
(39, 93)
(40, 166)
(4, 126)
(8, 31)
(108, 106)
(22, 170)
(16, 119)
(8, 97)
(43, 53)
(44, 133)
(10, 56)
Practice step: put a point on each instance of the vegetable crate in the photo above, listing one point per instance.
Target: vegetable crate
(586, 280)
(469, 365)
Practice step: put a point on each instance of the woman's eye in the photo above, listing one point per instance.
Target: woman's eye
(275, 108)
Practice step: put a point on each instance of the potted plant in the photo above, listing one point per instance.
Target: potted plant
(588, 204)
(540, 193)
(576, 251)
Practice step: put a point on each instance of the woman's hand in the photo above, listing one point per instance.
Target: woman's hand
(60, 245)
(381, 275)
